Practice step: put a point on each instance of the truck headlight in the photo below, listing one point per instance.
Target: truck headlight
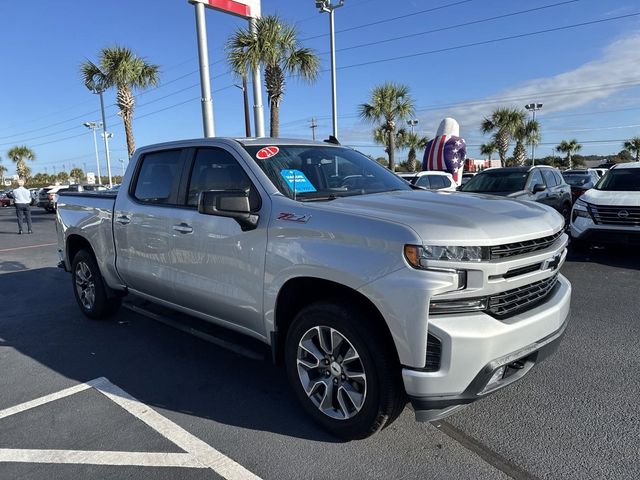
(417, 255)
(580, 210)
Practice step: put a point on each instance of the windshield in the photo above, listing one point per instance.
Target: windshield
(620, 180)
(576, 179)
(317, 172)
(497, 181)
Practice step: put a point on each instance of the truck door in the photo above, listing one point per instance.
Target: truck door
(144, 224)
(220, 268)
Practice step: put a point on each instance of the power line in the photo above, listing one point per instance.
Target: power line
(487, 42)
(386, 20)
(451, 27)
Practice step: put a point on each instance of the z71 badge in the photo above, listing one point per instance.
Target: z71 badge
(294, 217)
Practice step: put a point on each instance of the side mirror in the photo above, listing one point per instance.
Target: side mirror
(538, 187)
(228, 203)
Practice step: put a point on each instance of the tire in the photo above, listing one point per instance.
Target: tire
(566, 213)
(89, 288)
(367, 393)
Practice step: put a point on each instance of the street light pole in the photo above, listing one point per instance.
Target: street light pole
(533, 107)
(93, 126)
(258, 112)
(105, 135)
(412, 123)
(327, 6)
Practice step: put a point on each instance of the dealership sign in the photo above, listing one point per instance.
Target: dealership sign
(240, 8)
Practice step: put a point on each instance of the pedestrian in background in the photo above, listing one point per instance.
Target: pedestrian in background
(22, 201)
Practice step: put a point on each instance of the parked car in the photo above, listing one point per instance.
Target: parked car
(368, 291)
(580, 181)
(540, 183)
(431, 180)
(34, 196)
(46, 197)
(609, 213)
(5, 201)
(466, 177)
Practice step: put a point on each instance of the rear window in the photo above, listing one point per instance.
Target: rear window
(438, 181)
(577, 179)
(493, 181)
(158, 177)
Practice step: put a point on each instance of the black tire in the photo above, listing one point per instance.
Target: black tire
(385, 397)
(566, 213)
(101, 306)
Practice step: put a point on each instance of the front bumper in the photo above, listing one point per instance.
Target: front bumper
(585, 230)
(474, 346)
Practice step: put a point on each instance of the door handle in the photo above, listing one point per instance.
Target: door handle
(123, 219)
(183, 228)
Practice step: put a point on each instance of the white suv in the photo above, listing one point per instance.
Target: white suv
(431, 180)
(610, 212)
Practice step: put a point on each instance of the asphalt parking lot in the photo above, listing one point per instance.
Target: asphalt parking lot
(135, 398)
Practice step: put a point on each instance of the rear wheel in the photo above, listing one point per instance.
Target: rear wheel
(342, 371)
(566, 213)
(89, 288)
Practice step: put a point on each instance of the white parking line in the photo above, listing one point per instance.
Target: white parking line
(30, 246)
(198, 453)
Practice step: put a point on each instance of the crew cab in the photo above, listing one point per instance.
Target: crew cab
(367, 289)
(609, 213)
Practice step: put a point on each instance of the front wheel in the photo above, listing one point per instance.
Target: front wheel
(342, 371)
(89, 288)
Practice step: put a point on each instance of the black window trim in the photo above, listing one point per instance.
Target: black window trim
(188, 169)
(134, 178)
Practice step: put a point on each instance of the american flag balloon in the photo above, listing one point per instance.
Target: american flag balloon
(446, 153)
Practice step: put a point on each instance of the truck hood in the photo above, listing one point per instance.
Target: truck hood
(453, 218)
(604, 198)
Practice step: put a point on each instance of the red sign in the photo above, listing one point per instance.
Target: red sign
(267, 152)
(241, 8)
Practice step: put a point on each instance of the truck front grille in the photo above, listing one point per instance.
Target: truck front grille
(434, 353)
(520, 248)
(622, 216)
(522, 298)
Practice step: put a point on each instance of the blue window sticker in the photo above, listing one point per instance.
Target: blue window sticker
(297, 181)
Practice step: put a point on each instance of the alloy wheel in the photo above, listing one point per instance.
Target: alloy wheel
(331, 372)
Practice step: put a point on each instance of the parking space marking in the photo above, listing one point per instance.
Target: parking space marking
(137, 459)
(29, 246)
(198, 453)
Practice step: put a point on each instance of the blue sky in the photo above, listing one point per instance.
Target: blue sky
(587, 77)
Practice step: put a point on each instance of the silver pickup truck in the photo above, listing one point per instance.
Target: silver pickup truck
(369, 290)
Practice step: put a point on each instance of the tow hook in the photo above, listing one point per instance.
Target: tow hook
(517, 365)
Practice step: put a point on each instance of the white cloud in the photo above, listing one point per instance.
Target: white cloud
(593, 82)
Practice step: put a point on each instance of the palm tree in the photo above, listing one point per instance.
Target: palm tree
(413, 142)
(275, 46)
(633, 146)
(526, 133)
(19, 155)
(389, 103)
(121, 68)
(503, 123)
(3, 170)
(488, 149)
(570, 147)
(77, 174)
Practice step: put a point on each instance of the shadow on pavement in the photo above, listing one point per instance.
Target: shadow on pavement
(159, 365)
(621, 256)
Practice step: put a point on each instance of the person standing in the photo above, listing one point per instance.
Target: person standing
(22, 201)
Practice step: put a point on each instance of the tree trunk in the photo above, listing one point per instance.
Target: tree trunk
(411, 160)
(392, 149)
(274, 112)
(126, 103)
(519, 154)
(502, 144)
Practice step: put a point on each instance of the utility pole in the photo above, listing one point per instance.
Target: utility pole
(327, 6)
(313, 127)
(245, 99)
(533, 107)
(258, 111)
